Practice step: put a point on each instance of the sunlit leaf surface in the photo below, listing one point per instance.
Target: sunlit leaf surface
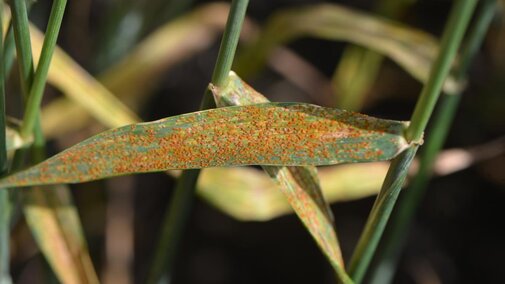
(289, 134)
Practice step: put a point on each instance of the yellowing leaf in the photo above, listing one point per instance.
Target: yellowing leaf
(412, 49)
(134, 75)
(137, 72)
(56, 227)
(81, 87)
(249, 195)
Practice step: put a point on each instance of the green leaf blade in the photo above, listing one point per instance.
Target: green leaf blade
(288, 134)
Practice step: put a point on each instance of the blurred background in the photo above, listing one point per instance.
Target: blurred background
(456, 237)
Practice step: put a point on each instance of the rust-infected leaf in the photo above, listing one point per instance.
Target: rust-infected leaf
(289, 134)
(300, 185)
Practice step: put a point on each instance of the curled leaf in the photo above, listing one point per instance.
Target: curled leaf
(287, 134)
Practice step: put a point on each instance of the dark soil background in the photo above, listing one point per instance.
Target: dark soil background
(458, 233)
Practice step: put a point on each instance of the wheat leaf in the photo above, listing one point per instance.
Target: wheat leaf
(287, 134)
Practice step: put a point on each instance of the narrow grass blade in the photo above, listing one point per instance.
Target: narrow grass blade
(288, 134)
(56, 226)
(300, 185)
(412, 49)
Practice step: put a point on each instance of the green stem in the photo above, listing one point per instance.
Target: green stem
(388, 255)
(21, 31)
(37, 88)
(23, 47)
(9, 47)
(179, 207)
(226, 50)
(380, 213)
(25, 61)
(33, 82)
(3, 146)
(451, 39)
(23, 44)
(458, 21)
(173, 225)
(5, 204)
(9, 50)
